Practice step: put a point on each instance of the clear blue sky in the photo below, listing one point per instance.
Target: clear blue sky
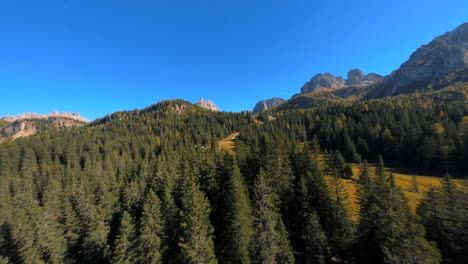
(100, 56)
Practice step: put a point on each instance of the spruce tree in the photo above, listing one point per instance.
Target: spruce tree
(444, 214)
(239, 220)
(343, 233)
(271, 242)
(316, 243)
(124, 251)
(389, 232)
(196, 239)
(150, 248)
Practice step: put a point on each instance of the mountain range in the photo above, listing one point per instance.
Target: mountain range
(181, 182)
(432, 66)
(435, 65)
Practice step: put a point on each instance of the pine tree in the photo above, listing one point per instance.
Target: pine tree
(124, 243)
(52, 244)
(24, 229)
(150, 248)
(389, 233)
(271, 242)
(285, 255)
(239, 220)
(316, 243)
(444, 214)
(343, 233)
(196, 239)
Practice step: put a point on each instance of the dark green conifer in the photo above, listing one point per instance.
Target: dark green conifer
(239, 220)
(150, 248)
(271, 242)
(196, 239)
(124, 251)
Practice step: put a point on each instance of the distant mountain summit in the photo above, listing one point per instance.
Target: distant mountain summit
(207, 104)
(441, 62)
(55, 114)
(329, 81)
(266, 104)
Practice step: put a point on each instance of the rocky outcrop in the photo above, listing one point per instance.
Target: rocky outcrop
(207, 104)
(355, 77)
(329, 81)
(22, 125)
(54, 114)
(266, 104)
(372, 77)
(430, 63)
(27, 124)
(322, 81)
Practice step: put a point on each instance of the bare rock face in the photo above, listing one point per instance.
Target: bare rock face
(22, 125)
(266, 104)
(445, 54)
(27, 124)
(207, 104)
(355, 77)
(328, 81)
(322, 81)
(373, 77)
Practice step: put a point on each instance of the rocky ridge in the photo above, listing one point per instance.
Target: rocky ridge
(441, 62)
(329, 81)
(430, 64)
(54, 114)
(266, 104)
(27, 124)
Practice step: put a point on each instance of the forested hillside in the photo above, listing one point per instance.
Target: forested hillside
(152, 186)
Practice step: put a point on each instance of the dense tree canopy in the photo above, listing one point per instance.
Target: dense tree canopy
(153, 186)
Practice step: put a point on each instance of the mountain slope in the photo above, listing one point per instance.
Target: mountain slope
(431, 63)
(24, 125)
(267, 104)
(440, 63)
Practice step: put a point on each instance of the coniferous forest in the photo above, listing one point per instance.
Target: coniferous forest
(153, 185)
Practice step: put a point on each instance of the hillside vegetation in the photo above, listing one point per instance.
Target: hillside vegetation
(160, 185)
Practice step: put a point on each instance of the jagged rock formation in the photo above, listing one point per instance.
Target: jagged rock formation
(442, 61)
(55, 114)
(330, 81)
(430, 64)
(266, 104)
(207, 104)
(355, 77)
(372, 77)
(321, 81)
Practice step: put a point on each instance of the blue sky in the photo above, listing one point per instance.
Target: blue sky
(100, 56)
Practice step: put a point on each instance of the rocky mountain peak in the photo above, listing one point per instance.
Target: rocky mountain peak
(207, 104)
(445, 54)
(322, 81)
(266, 104)
(355, 77)
(330, 81)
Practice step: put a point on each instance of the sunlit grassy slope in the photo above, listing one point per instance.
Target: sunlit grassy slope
(403, 179)
(228, 143)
